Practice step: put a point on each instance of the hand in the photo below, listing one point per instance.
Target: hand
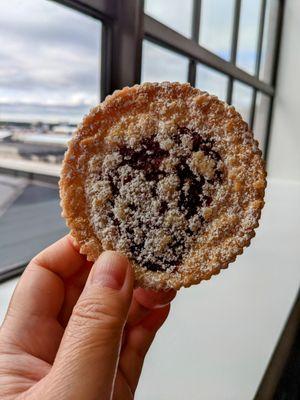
(77, 331)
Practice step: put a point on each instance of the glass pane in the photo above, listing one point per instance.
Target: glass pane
(216, 26)
(248, 35)
(49, 68)
(49, 78)
(172, 13)
(242, 98)
(268, 47)
(160, 64)
(28, 204)
(211, 81)
(261, 118)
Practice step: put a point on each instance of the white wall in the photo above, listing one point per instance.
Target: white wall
(284, 156)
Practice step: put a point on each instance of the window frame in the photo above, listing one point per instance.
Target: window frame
(125, 25)
(167, 37)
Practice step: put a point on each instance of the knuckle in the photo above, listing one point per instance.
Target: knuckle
(91, 311)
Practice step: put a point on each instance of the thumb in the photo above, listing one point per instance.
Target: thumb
(86, 362)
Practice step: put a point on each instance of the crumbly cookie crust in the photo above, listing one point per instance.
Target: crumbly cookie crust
(168, 174)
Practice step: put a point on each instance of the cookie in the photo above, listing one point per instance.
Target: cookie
(167, 174)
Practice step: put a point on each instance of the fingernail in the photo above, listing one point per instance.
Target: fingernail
(110, 270)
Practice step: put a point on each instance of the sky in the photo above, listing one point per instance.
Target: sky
(50, 55)
(49, 61)
(214, 34)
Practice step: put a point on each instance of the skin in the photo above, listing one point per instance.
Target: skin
(75, 330)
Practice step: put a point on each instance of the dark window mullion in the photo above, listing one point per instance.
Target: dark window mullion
(234, 43)
(258, 59)
(103, 10)
(195, 37)
(229, 90)
(164, 36)
(253, 108)
(126, 44)
(260, 37)
(196, 20)
(279, 24)
(235, 32)
(106, 52)
(192, 72)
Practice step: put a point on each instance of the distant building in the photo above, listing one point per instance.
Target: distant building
(64, 129)
(33, 142)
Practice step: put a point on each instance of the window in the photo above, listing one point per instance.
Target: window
(216, 26)
(261, 118)
(167, 12)
(29, 221)
(211, 81)
(168, 65)
(49, 78)
(269, 40)
(56, 60)
(50, 68)
(235, 58)
(248, 35)
(242, 99)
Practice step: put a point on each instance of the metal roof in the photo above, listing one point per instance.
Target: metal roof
(29, 224)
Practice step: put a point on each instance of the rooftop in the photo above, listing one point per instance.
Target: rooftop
(30, 205)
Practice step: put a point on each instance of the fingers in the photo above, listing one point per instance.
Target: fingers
(62, 258)
(40, 290)
(151, 299)
(38, 299)
(39, 293)
(91, 344)
(73, 288)
(146, 300)
(30, 322)
(148, 311)
(138, 341)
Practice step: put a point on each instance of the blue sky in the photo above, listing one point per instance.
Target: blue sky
(50, 55)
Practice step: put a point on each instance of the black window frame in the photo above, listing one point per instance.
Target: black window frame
(125, 25)
(168, 38)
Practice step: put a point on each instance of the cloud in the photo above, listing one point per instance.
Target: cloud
(248, 35)
(50, 55)
(211, 81)
(216, 26)
(48, 22)
(173, 13)
(159, 64)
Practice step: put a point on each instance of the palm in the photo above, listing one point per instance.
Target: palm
(27, 352)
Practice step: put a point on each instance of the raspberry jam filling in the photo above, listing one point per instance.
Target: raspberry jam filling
(156, 194)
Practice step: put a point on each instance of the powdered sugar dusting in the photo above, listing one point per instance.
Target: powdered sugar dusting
(151, 200)
(99, 183)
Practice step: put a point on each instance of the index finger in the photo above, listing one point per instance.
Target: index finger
(40, 291)
(62, 258)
